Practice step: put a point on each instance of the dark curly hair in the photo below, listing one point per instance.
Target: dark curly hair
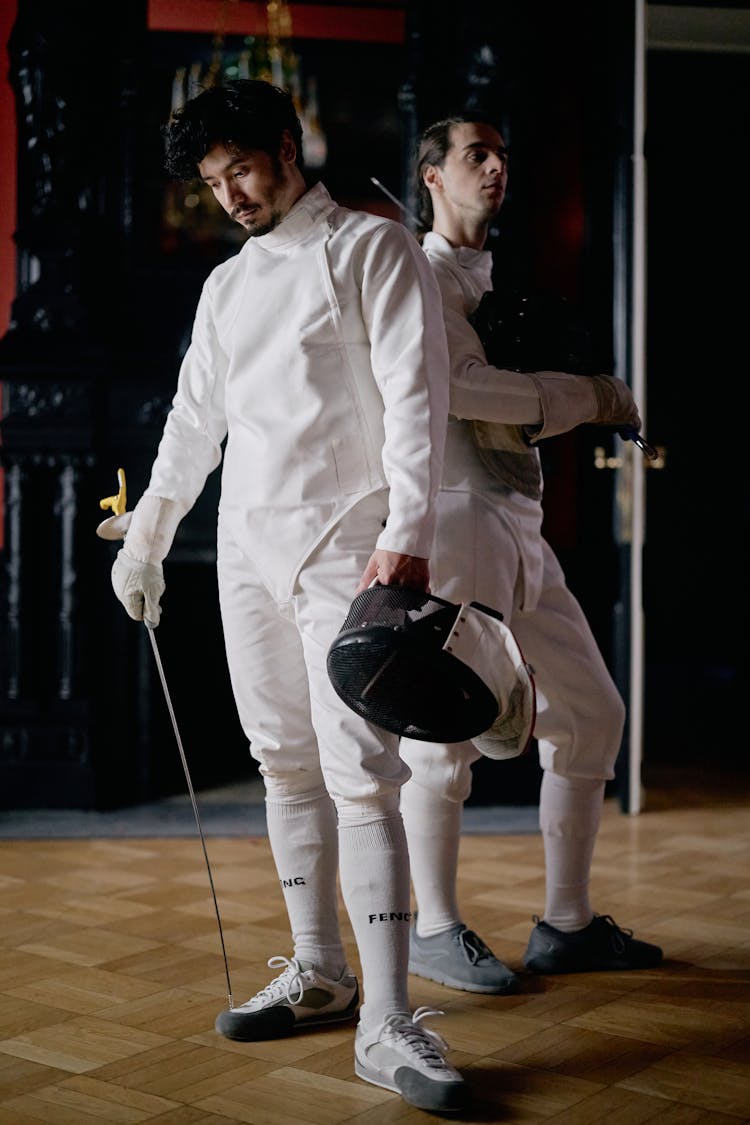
(241, 115)
(433, 148)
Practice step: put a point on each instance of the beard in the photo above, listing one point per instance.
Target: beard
(256, 229)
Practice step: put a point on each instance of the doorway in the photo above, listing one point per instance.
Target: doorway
(695, 561)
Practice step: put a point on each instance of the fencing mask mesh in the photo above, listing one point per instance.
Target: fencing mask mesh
(425, 668)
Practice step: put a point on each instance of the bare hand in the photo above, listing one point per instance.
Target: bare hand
(388, 568)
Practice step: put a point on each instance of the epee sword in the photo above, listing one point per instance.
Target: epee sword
(115, 528)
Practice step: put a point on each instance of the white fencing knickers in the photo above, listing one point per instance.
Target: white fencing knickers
(491, 550)
(300, 732)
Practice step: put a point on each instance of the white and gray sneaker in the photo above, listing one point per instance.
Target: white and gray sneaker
(403, 1056)
(299, 997)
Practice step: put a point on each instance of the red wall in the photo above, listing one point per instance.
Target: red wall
(309, 21)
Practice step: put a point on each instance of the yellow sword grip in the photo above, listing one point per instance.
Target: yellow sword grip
(118, 503)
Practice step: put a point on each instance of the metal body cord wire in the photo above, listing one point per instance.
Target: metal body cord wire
(170, 708)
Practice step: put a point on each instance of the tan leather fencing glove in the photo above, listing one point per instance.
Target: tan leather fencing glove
(569, 400)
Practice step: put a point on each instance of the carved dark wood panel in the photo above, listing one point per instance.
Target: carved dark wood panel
(82, 722)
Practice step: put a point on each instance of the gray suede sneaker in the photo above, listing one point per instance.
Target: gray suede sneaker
(601, 947)
(299, 997)
(459, 958)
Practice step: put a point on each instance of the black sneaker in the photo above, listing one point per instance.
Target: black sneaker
(600, 947)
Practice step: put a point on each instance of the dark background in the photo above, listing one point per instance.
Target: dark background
(696, 563)
(104, 301)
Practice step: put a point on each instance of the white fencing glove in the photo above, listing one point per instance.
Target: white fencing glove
(571, 400)
(139, 587)
(137, 575)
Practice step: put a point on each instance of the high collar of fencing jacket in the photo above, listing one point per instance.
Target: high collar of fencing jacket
(477, 263)
(314, 205)
(480, 455)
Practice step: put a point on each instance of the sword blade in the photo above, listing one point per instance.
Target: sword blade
(155, 649)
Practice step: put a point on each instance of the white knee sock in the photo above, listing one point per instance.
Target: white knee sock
(374, 869)
(570, 810)
(303, 834)
(433, 832)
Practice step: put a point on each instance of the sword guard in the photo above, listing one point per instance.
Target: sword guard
(116, 526)
(119, 502)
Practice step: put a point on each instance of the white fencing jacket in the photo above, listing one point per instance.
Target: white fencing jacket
(480, 391)
(319, 352)
(477, 390)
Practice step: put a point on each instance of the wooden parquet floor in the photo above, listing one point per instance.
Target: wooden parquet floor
(111, 976)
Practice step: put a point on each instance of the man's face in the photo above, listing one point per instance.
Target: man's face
(474, 175)
(249, 185)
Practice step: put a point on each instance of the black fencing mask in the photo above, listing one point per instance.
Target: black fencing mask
(428, 669)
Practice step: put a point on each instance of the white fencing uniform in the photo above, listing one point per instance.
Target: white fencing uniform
(489, 548)
(319, 353)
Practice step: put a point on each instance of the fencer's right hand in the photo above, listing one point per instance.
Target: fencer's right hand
(139, 586)
(569, 400)
(389, 568)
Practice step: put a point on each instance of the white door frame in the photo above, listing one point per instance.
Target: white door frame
(634, 460)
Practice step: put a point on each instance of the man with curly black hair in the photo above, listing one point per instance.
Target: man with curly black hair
(318, 352)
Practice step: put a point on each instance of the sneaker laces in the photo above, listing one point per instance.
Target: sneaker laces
(474, 948)
(284, 985)
(429, 1047)
(618, 936)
